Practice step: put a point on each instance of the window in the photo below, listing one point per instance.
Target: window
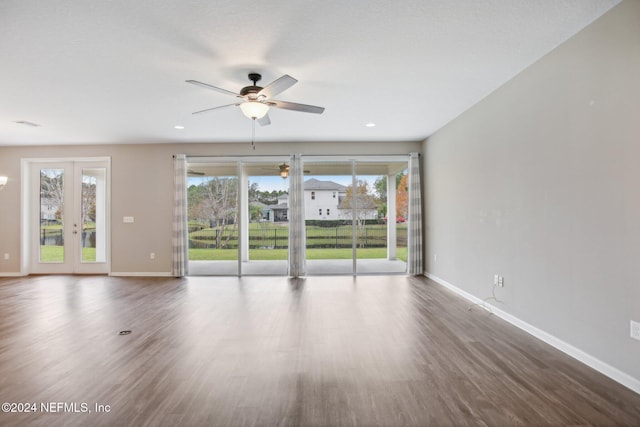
(313, 195)
(328, 212)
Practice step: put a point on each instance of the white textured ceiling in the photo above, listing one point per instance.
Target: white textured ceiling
(113, 71)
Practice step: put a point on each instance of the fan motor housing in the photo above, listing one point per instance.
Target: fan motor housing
(247, 90)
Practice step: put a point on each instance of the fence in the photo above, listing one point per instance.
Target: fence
(278, 238)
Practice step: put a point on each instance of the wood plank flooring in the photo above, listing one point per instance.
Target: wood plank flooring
(272, 351)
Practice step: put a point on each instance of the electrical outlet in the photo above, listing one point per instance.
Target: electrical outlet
(635, 330)
(435, 257)
(6, 257)
(501, 281)
(152, 255)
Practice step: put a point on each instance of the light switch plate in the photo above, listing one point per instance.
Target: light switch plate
(128, 219)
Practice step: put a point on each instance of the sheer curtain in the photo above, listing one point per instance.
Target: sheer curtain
(180, 241)
(414, 256)
(297, 238)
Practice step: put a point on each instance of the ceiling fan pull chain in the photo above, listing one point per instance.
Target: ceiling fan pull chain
(253, 133)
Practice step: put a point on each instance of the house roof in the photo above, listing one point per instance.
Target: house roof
(315, 184)
(93, 72)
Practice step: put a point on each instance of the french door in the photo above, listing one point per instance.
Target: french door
(69, 221)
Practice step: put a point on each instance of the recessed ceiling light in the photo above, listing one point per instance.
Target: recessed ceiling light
(370, 125)
(178, 127)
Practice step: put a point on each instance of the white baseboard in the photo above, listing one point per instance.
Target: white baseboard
(12, 274)
(141, 274)
(589, 360)
(117, 274)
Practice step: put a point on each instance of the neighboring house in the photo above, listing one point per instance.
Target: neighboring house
(278, 212)
(322, 201)
(48, 209)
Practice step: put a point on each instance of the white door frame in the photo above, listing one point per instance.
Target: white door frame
(26, 232)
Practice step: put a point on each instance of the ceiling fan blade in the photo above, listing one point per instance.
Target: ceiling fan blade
(208, 86)
(296, 107)
(277, 86)
(216, 108)
(264, 120)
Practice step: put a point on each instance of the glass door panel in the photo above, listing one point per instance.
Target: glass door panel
(378, 222)
(328, 217)
(266, 249)
(213, 216)
(51, 247)
(93, 215)
(369, 203)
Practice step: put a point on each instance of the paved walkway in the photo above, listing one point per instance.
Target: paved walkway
(279, 268)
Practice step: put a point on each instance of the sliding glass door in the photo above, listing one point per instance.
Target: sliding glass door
(238, 216)
(355, 215)
(346, 207)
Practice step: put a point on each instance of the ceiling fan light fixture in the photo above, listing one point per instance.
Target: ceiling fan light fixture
(254, 109)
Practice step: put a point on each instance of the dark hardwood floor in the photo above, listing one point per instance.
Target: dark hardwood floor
(272, 351)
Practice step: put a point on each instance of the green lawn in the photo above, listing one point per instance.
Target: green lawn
(281, 254)
(321, 242)
(56, 254)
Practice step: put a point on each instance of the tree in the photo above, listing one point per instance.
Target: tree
(216, 202)
(361, 200)
(380, 186)
(254, 193)
(402, 197)
(52, 189)
(88, 206)
(269, 197)
(255, 213)
(194, 198)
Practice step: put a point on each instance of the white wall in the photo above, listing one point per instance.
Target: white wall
(540, 182)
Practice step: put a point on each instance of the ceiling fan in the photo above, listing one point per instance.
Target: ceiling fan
(283, 170)
(256, 100)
